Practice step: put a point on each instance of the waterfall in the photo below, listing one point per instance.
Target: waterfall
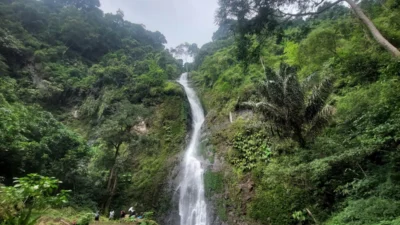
(192, 204)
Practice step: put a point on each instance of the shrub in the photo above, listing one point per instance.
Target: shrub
(85, 219)
(29, 194)
(277, 205)
(367, 211)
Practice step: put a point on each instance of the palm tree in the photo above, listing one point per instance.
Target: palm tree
(298, 110)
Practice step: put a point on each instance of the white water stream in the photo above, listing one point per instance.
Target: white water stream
(192, 204)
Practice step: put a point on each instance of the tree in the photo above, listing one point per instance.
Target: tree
(255, 15)
(372, 28)
(224, 30)
(185, 50)
(209, 49)
(3, 66)
(33, 192)
(54, 55)
(285, 102)
(116, 131)
(193, 50)
(81, 4)
(33, 141)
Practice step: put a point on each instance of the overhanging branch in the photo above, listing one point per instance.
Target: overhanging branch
(318, 3)
(312, 13)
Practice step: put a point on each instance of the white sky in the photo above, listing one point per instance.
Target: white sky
(179, 20)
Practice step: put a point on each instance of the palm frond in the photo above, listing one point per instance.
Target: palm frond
(321, 120)
(279, 85)
(310, 81)
(262, 89)
(265, 108)
(294, 94)
(286, 70)
(285, 85)
(318, 98)
(283, 102)
(270, 74)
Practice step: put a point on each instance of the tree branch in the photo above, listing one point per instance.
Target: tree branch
(262, 64)
(319, 3)
(312, 216)
(312, 13)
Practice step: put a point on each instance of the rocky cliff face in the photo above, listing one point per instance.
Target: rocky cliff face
(227, 191)
(170, 190)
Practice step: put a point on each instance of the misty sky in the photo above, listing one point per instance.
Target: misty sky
(179, 20)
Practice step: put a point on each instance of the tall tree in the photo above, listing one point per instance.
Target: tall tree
(184, 51)
(81, 4)
(116, 131)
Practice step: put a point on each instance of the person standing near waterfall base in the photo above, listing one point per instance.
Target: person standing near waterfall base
(112, 213)
(122, 215)
(131, 211)
(97, 216)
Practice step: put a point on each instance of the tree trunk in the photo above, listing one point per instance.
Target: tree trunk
(110, 177)
(372, 28)
(111, 194)
(113, 168)
(112, 180)
(298, 136)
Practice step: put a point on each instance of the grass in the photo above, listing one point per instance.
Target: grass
(70, 216)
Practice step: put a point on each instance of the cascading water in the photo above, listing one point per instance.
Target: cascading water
(192, 204)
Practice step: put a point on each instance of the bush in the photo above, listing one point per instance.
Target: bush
(85, 219)
(277, 205)
(249, 148)
(213, 183)
(367, 211)
(148, 215)
(33, 193)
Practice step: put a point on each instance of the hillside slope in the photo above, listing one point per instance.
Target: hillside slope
(271, 166)
(89, 98)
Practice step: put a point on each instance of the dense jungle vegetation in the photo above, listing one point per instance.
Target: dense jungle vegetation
(303, 114)
(87, 99)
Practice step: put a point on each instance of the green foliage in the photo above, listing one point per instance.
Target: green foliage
(347, 172)
(213, 183)
(148, 215)
(209, 49)
(77, 83)
(152, 155)
(172, 88)
(299, 216)
(30, 193)
(222, 210)
(376, 126)
(277, 205)
(285, 102)
(34, 141)
(291, 53)
(250, 149)
(3, 66)
(117, 129)
(323, 40)
(85, 219)
(109, 80)
(148, 222)
(373, 210)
